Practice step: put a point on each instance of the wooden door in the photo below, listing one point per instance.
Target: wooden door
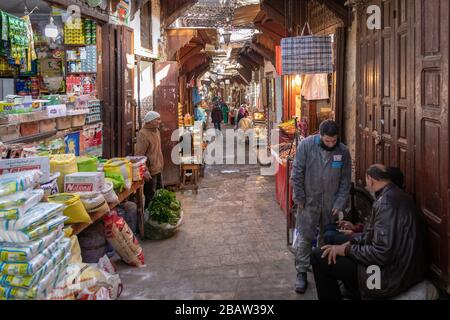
(166, 103)
(118, 110)
(431, 119)
(386, 96)
(109, 90)
(127, 108)
(368, 95)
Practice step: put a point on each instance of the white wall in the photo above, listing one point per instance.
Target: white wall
(156, 31)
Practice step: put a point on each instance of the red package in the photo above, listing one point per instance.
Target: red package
(123, 239)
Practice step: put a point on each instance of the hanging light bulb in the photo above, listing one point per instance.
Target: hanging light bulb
(51, 30)
(298, 80)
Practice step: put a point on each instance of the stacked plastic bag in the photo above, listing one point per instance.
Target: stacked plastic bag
(33, 250)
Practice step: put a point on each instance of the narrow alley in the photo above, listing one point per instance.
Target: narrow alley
(232, 245)
(224, 150)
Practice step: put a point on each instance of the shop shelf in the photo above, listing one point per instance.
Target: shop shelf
(79, 227)
(32, 138)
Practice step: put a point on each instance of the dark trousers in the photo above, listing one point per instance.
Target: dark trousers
(333, 236)
(150, 188)
(217, 126)
(326, 277)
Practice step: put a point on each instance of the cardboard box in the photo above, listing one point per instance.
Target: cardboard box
(25, 164)
(84, 182)
(56, 111)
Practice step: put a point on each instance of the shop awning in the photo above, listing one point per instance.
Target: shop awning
(245, 74)
(195, 62)
(245, 16)
(177, 38)
(173, 9)
(271, 27)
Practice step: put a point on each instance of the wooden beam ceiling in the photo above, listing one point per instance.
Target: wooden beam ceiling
(246, 61)
(246, 74)
(173, 9)
(264, 52)
(339, 8)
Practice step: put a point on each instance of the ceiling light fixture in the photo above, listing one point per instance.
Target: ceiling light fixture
(51, 30)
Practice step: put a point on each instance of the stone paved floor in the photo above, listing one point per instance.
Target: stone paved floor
(231, 246)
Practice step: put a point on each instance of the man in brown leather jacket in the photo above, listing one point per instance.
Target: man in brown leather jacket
(387, 259)
(149, 145)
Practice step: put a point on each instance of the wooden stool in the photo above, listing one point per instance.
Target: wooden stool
(194, 178)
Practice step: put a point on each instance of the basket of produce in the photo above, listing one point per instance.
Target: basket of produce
(164, 216)
(288, 127)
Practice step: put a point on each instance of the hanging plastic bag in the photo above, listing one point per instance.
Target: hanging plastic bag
(307, 54)
(315, 87)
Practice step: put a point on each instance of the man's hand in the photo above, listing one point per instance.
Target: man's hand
(346, 225)
(335, 211)
(347, 232)
(332, 252)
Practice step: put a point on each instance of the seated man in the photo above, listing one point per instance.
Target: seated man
(345, 231)
(393, 243)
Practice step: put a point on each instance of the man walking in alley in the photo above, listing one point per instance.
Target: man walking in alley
(321, 179)
(217, 116)
(149, 145)
(393, 242)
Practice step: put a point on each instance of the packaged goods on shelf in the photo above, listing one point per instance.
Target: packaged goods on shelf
(20, 181)
(87, 164)
(120, 166)
(51, 187)
(94, 202)
(14, 206)
(23, 252)
(26, 164)
(84, 182)
(74, 209)
(139, 167)
(64, 164)
(28, 281)
(38, 291)
(32, 266)
(40, 213)
(108, 192)
(123, 240)
(20, 236)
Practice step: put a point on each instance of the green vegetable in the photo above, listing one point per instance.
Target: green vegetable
(165, 208)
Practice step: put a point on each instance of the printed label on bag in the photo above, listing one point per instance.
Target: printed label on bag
(79, 187)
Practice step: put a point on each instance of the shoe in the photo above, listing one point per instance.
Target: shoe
(302, 283)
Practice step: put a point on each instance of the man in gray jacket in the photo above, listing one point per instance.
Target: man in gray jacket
(321, 179)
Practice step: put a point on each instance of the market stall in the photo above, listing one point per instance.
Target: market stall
(47, 201)
(53, 217)
(48, 82)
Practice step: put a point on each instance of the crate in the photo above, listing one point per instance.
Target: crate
(63, 123)
(29, 128)
(9, 132)
(47, 125)
(78, 120)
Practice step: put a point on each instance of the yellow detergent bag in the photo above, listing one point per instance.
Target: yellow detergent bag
(64, 164)
(121, 166)
(74, 210)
